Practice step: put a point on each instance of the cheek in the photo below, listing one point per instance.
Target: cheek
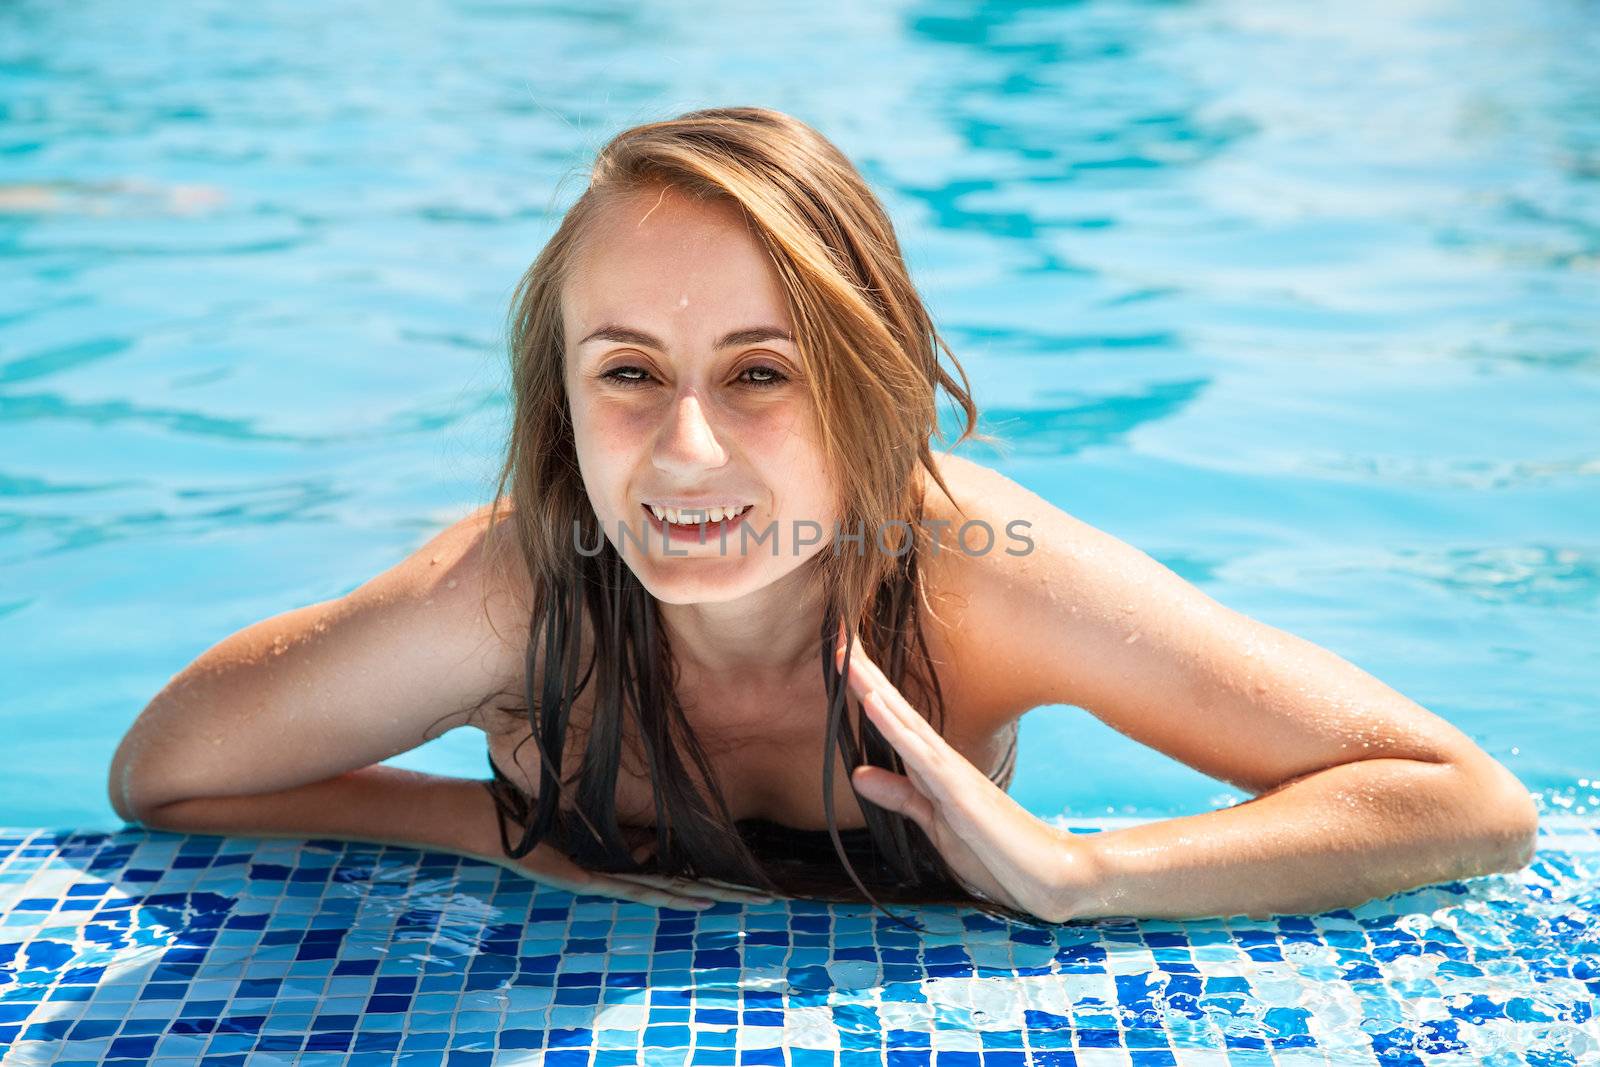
(605, 442)
(794, 460)
(784, 431)
(606, 429)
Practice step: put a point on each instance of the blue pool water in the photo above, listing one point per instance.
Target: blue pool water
(1301, 303)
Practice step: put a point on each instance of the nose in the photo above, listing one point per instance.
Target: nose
(686, 444)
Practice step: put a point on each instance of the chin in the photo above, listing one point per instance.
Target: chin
(702, 581)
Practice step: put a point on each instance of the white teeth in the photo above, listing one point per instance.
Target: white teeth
(694, 516)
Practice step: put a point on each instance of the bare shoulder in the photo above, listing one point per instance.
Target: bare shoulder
(314, 692)
(1085, 619)
(989, 529)
(1013, 576)
(473, 581)
(985, 495)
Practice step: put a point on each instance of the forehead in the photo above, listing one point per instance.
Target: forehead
(661, 261)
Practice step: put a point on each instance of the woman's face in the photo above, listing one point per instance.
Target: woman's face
(686, 390)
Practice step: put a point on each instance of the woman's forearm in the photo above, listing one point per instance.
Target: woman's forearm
(1336, 838)
(381, 804)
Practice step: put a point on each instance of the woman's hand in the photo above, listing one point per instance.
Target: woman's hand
(999, 849)
(549, 866)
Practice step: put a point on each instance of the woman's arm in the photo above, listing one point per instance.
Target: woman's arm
(379, 803)
(281, 729)
(1335, 838)
(390, 805)
(322, 690)
(1361, 791)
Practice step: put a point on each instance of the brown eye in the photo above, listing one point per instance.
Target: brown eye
(766, 376)
(616, 374)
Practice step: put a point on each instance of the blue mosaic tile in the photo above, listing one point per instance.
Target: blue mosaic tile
(149, 947)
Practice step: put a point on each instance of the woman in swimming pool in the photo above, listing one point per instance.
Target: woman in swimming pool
(734, 624)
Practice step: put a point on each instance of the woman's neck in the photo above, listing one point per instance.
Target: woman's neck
(770, 637)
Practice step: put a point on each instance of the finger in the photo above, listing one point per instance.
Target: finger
(641, 852)
(955, 839)
(865, 678)
(962, 797)
(870, 670)
(891, 723)
(936, 769)
(736, 885)
(913, 721)
(861, 674)
(842, 640)
(940, 773)
(898, 793)
(920, 759)
(645, 893)
(714, 889)
(549, 866)
(895, 792)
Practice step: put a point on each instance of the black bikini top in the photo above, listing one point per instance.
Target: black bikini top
(763, 832)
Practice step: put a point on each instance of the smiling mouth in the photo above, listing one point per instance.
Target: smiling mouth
(692, 518)
(698, 527)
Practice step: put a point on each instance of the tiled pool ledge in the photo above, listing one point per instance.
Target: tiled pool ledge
(151, 947)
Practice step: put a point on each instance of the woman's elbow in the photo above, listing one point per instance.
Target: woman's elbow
(1509, 818)
(124, 788)
(121, 803)
(134, 814)
(1523, 835)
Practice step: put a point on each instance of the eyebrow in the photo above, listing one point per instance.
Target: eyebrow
(626, 335)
